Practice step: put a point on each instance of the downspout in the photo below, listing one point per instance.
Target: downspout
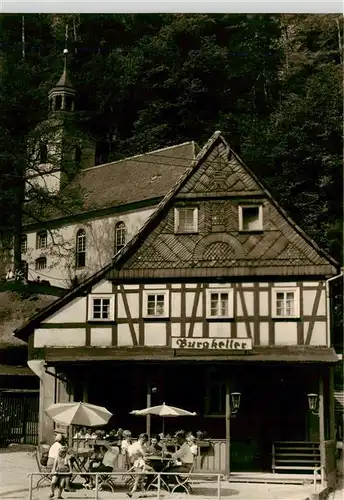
(328, 315)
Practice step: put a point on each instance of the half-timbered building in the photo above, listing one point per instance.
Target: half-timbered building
(221, 304)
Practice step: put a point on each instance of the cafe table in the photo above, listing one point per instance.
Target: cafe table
(81, 457)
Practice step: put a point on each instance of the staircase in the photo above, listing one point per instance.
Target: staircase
(295, 456)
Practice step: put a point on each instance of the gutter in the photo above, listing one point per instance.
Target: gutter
(328, 315)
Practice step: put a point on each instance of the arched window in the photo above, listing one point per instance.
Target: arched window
(43, 153)
(120, 236)
(80, 250)
(40, 263)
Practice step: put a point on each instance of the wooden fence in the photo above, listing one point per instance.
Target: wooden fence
(19, 417)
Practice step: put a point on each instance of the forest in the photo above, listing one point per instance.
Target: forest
(273, 84)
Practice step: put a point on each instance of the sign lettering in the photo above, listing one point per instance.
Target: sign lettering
(214, 344)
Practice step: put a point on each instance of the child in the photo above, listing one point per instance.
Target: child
(61, 464)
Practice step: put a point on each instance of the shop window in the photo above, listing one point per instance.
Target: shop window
(219, 303)
(80, 250)
(120, 236)
(251, 218)
(101, 308)
(285, 303)
(186, 220)
(23, 243)
(215, 402)
(40, 263)
(42, 239)
(155, 304)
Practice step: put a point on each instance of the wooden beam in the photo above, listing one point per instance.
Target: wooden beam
(332, 435)
(228, 419)
(322, 419)
(149, 403)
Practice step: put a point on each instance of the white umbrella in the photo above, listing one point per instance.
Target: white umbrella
(164, 411)
(78, 414)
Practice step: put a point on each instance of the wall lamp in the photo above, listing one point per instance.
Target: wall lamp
(235, 402)
(313, 403)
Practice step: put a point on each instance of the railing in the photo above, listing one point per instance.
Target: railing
(315, 477)
(219, 477)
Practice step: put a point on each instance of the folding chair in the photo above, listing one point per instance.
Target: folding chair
(43, 469)
(184, 481)
(105, 479)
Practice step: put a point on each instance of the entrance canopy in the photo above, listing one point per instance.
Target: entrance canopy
(273, 354)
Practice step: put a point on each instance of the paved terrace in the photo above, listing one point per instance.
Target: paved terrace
(14, 483)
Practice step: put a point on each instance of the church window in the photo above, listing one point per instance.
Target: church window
(23, 243)
(120, 236)
(80, 254)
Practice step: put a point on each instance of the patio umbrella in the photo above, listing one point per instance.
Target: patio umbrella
(78, 414)
(164, 411)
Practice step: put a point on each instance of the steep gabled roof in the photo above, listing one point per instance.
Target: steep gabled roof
(191, 175)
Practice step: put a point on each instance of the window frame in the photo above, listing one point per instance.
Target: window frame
(285, 289)
(177, 211)
(230, 293)
(81, 234)
(241, 217)
(41, 236)
(38, 261)
(101, 296)
(120, 228)
(156, 292)
(23, 243)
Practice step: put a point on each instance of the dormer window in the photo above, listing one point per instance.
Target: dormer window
(250, 218)
(120, 236)
(186, 220)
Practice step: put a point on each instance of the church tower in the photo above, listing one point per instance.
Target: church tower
(58, 146)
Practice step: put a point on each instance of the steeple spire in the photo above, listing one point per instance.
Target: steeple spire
(61, 96)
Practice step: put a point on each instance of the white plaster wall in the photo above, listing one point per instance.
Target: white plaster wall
(56, 337)
(101, 337)
(248, 297)
(264, 333)
(60, 252)
(104, 286)
(74, 312)
(220, 329)
(286, 333)
(124, 336)
(155, 334)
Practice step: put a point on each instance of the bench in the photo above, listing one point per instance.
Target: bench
(295, 456)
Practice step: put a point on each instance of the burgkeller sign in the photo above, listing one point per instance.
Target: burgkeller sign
(212, 344)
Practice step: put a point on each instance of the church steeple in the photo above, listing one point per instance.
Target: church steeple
(62, 95)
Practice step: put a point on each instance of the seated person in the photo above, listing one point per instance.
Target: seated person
(95, 459)
(60, 441)
(191, 440)
(107, 464)
(44, 452)
(126, 442)
(137, 455)
(183, 457)
(156, 447)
